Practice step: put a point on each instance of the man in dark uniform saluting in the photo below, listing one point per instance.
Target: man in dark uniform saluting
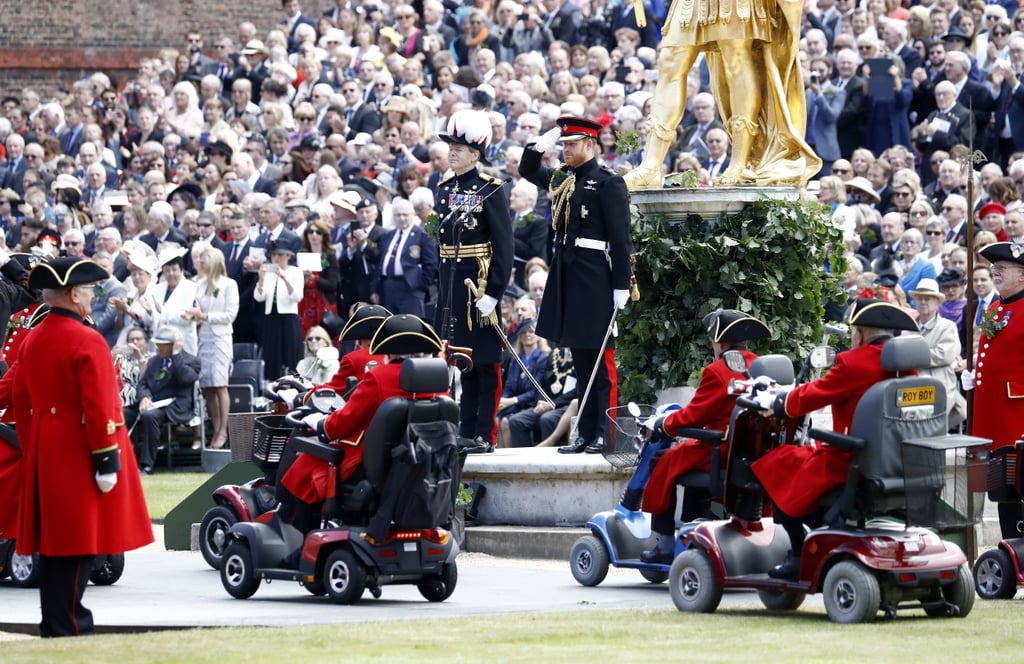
(589, 277)
(475, 231)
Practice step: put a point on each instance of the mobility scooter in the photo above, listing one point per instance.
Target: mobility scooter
(256, 499)
(24, 570)
(998, 572)
(876, 552)
(374, 533)
(619, 536)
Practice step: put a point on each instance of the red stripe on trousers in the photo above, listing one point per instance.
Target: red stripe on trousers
(497, 398)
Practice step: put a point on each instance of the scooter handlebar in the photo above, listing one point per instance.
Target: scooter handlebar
(748, 403)
(702, 435)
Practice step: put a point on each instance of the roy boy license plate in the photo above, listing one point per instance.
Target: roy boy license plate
(915, 396)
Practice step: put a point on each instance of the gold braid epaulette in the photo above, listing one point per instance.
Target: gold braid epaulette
(560, 196)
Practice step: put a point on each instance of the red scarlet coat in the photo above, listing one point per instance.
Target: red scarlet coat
(999, 377)
(352, 364)
(307, 477)
(10, 456)
(67, 407)
(710, 408)
(796, 477)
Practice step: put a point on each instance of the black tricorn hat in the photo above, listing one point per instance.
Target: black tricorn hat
(65, 272)
(869, 312)
(188, 187)
(405, 334)
(953, 275)
(365, 322)
(1011, 252)
(221, 147)
(732, 326)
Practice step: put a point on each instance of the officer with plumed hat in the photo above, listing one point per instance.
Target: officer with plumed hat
(589, 278)
(398, 338)
(80, 495)
(999, 366)
(796, 477)
(475, 238)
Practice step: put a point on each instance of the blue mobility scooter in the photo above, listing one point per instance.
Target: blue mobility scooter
(620, 535)
(999, 571)
(381, 530)
(877, 551)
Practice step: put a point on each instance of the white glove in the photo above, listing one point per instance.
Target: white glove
(106, 481)
(486, 305)
(967, 380)
(288, 395)
(547, 140)
(621, 297)
(313, 420)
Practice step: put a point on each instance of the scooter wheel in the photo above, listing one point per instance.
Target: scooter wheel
(958, 596)
(851, 593)
(781, 600)
(344, 577)
(589, 561)
(237, 573)
(24, 569)
(213, 533)
(654, 575)
(994, 576)
(441, 587)
(692, 582)
(108, 569)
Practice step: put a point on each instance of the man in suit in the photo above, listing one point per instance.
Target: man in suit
(718, 152)
(564, 20)
(626, 17)
(359, 117)
(705, 114)
(824, 104)
(245, 167)
(850, 124)
(235, 252)
(1008, 132)
(293, 19)
(71, 138)
(199, 65)
(108, 240)
(13, 168)
(946, 126)
(894, 34)
(160, 224)
(271, 213)
(408, 264)
(972, 95)
(170, 374)
(499, 140)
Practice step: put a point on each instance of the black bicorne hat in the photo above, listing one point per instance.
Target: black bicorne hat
(65, 272)
(365, 322)
(405, 334)
(732, 326)
(1011, 252)
(869, 312)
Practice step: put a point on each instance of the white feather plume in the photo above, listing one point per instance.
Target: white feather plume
(471, 126)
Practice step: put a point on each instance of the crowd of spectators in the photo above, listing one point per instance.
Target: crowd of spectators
(291, 148)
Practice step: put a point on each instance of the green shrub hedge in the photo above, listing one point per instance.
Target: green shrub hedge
(767, 261)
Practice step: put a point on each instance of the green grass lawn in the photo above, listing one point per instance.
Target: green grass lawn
(989, 634)
(164, 490)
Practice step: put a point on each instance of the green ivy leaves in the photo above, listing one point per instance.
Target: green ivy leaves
(767, 260)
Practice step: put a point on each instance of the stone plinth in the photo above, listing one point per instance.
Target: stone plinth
(539, 487)
(676, 204)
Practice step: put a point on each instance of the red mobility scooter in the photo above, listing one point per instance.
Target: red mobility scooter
(877, 552)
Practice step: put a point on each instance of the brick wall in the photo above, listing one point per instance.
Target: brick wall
(48, 44)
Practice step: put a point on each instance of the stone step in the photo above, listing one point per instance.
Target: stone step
(523, 542)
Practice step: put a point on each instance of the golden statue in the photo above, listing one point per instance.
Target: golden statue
(751, 50)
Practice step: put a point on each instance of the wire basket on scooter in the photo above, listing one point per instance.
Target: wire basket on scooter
(624, 435)
(268, 440)
(1003, 479)
(938, 475)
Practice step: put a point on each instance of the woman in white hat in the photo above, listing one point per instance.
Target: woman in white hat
(944, 342)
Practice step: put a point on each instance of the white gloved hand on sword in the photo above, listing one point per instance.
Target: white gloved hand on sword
(486, 305)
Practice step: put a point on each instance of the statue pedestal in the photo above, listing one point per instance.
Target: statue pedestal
(676, 204)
